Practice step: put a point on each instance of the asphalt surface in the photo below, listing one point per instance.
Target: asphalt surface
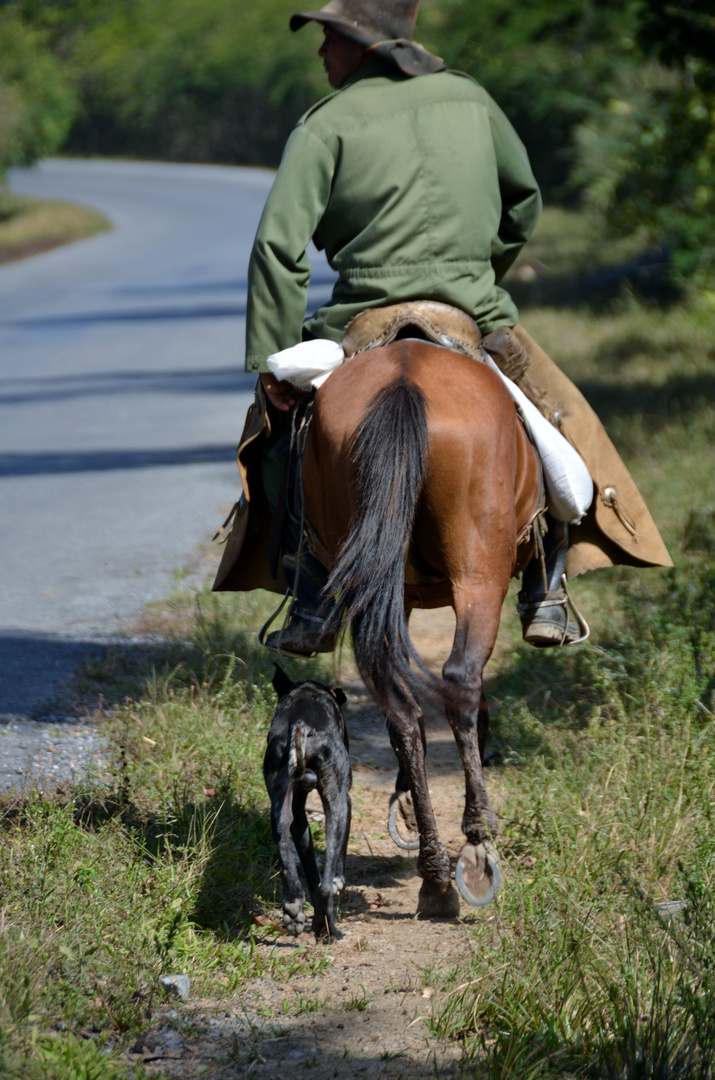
(122, 397)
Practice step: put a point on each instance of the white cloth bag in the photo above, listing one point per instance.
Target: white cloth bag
(569, 487)
(308, 364)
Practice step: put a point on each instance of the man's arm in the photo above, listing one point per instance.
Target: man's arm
(521, 200)
(279, 270)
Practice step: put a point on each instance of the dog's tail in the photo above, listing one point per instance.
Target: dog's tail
(296, 753)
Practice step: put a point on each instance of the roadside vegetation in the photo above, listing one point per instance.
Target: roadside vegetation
(31, 226)
(160, 867)
(615, 101)
(599, 957)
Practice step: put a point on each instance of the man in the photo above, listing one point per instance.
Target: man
(417, 187)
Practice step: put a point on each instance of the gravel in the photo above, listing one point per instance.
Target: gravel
(49, 754)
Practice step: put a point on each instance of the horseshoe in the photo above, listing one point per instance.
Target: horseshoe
(477, 875)
(406, 845)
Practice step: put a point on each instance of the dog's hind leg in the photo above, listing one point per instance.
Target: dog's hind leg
(334, 791)
(300, 831)
(283, 826)
(340, 878)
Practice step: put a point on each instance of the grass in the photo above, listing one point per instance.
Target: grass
(358, 1002)
(585, 967)
(606, 791)
(163, 869)
(607, 802)
(30, 226)
(303, 1004)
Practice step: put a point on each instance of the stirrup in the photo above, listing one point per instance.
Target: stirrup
(554, 610)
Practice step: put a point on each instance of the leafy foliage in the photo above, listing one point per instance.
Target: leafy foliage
(37, 99)
(213, 81)
(647, 154)
(615, 99)
(545, 64)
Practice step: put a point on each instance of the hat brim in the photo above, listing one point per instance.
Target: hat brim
(411, 58)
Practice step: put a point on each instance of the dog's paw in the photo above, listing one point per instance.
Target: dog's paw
(294, 918)
(325, 932)
(338, 885)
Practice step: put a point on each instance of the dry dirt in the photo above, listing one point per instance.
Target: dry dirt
(365, 1017)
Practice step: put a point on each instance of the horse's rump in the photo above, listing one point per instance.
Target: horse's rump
(417, 450)
(479, 456)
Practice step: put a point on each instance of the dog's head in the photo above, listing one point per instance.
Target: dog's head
(283, 685)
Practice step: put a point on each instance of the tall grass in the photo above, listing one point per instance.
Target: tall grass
(162, 867)
(599, 958)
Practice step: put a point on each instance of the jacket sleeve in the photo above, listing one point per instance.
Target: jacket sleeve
(279, 270)
(521, 200)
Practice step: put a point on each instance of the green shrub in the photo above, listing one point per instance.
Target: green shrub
(37, 100)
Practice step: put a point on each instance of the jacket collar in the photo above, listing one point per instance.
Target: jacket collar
(374, 68)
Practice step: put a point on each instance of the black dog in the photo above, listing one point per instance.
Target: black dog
(308, 748)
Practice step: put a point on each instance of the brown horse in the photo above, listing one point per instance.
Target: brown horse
(420, 487)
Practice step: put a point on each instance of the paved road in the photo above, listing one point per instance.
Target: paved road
(121, 399)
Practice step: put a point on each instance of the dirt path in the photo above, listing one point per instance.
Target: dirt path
(366, 1016)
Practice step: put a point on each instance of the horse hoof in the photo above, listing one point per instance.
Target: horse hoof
(477, 875)
(433, 903)
(402, 805)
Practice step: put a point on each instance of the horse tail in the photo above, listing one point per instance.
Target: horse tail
(368, 581)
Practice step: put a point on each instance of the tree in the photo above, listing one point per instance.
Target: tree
(647, 156)
(545, 64)
(37, 100)
(192, 80)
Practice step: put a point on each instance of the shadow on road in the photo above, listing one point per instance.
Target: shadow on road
(24, 391)
(33, 670)
(42, 464)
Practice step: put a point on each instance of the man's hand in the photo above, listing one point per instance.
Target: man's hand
(282, 395)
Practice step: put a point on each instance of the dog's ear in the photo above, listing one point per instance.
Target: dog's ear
(281, 683)
(339, 695)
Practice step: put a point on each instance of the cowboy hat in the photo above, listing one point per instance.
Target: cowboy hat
(384, 27)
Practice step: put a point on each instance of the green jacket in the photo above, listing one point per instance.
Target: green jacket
(417, 188)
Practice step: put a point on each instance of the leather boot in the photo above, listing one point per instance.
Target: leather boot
(544, 603)
(303, 633)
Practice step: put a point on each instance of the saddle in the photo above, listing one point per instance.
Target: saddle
(439, 323)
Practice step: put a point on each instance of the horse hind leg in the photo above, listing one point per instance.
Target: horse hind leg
(437, 897)
(477, 872)
(401, 821)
